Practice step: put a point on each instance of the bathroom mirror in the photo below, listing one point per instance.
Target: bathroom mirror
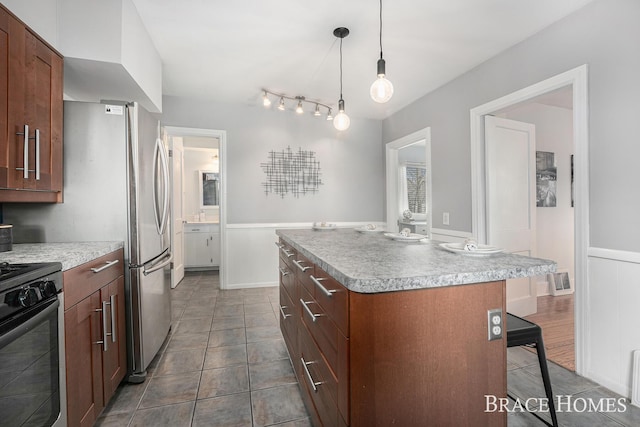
(209, 187)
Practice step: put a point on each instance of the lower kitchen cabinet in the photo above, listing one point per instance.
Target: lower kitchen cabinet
(201, 245)
(95, 336)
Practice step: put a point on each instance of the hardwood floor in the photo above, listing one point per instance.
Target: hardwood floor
(555, 317)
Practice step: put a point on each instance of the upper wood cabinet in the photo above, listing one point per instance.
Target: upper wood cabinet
(30, 115)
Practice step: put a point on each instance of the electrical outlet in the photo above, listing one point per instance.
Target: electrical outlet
(494, 324)
(445, 218)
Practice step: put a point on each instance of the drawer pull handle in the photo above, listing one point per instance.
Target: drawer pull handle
(313, 383)
(297, 263)
(308, 310)
(104, 267)
(287, 253)
(326, 291)
(284, 316)
(279, 245)
(283, 272)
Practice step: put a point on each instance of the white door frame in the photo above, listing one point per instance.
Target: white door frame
(576, 78)
(221, 135)
(391, 155)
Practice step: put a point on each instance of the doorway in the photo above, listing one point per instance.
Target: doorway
(399, 155)
(209, 144)
(576, 80)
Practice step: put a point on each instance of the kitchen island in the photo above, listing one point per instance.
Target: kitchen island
(382, 332)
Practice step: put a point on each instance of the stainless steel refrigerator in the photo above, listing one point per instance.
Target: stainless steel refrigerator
(116, 187)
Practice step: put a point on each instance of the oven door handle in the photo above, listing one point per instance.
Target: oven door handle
(25, 327)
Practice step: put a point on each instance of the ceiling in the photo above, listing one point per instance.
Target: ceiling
(228, 51)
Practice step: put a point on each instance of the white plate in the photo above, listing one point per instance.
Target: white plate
(482, 250)
(366, 230)
(413, 237)
(324, 227)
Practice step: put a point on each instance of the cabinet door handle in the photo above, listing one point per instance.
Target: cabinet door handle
(283, 272)
(25, 168)
(308, 310)
(314, 384)
(324, 290)
(104, 267)
(284, 315)
(37, 154)
(297, 263)
(112, 300)
(104, 341)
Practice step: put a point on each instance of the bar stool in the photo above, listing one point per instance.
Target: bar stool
(522, 332)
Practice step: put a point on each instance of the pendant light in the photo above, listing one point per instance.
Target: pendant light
(341, 121)
(381, 90)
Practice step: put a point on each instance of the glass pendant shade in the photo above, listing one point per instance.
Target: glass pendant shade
(341, 121)
(381, 90)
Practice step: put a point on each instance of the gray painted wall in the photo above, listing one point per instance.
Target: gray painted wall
(351, 162)
(604, 34)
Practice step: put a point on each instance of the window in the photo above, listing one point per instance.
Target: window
(413, 183)
(416, 195)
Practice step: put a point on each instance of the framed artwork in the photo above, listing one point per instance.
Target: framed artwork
(545, 179)
(560, 283)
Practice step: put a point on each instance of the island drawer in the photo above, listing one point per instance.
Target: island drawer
(318, 379)
(286, 252)
(332, 297)
(288, 321)
(304, 270)
(288, 279)
(321, 327)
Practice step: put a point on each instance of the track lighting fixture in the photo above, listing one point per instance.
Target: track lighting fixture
(341, 121)
(265, 100)
(300, 101)
(381, 90)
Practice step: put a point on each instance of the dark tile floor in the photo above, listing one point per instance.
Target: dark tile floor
(225, 364)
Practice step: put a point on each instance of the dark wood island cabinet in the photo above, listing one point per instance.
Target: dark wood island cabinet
(374, 345)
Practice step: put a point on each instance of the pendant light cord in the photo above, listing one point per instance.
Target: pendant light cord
(380, 29)
(341, 67)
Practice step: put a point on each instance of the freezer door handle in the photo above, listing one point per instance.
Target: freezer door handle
(157, 266)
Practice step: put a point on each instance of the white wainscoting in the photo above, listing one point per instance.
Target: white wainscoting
(612, 317)
(252, 256)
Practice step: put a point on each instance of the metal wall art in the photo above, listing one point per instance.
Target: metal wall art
(292, 172)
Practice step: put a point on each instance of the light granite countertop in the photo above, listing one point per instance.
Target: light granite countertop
(371, 262)
(69, 254)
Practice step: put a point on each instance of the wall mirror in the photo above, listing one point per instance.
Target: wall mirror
(209, 188)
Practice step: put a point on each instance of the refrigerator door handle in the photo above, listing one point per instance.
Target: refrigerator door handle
(161, 217)
(157, 266)
(156, 215)
(165, 172)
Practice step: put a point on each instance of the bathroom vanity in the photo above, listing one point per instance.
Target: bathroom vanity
(383, 332)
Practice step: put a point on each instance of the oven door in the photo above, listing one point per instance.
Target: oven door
(29, 366)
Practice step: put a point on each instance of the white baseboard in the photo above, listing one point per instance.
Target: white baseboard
(252, 285)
